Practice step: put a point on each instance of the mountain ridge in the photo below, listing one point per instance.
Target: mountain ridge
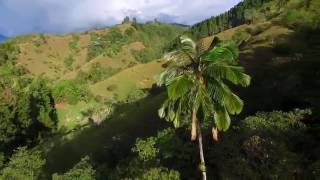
(3, 38)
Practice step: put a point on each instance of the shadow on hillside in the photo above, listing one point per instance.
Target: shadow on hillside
(110, 141)
(283, 77)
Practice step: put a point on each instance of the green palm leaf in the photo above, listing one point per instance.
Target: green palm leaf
(179, 86)
(184, 53)
(221, 94)
(166, 76)
(222, 119)
(226, 52)
(234, 74)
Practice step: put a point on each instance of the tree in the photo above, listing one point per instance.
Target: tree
(126, 20)
(82, 170)
(195, 82)
(135, 23)
(23, 165)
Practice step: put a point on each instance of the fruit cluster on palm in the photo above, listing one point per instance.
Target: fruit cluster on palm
(197, 81)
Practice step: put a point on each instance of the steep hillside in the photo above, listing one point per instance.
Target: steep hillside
(122, 84)
(116, 48)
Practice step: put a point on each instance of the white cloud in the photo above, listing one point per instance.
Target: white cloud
(60, 16)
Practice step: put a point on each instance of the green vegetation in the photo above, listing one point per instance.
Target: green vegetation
(96, 73)
(73, 44)
(26, 108)
(263, 146)
(82, 170)
(8, 52)
(244, 12)
(68, 61)
(196, 88)
(301, 14)
(40, 40)
(71, 91)
(154, 36)
(23, 164)
(100, 119)
(109, 44)
(241, 36)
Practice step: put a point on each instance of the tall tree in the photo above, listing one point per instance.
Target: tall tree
(195, 82)
(126, 20)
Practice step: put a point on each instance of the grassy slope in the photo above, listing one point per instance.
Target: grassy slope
(45, 54)
(124, 82)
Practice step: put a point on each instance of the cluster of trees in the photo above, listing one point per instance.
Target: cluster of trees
(246, 11)
(273, 145)
(27, 110)
(28, 164)
(302, 15)
(108, 44)
(155, 36)
(71, 91)
(96, 73)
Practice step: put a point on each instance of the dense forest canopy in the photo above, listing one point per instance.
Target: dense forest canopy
(247, 11)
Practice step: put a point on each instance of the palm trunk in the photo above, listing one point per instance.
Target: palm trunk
(194, 125)
(203, 164)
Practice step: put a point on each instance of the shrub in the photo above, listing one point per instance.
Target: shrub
(23, 164)
(96, 73)
(109, 44)
(82, 170)
(129, 31)
(146, 149)
(8, 52)
(146, 55)
(112, 87)
(73, 44)
(241, 36)
(255, 30)
(40, 40)
(68, 61)
(71, 91)
(160, 173)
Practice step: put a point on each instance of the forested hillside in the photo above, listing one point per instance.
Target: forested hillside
(120, 102)
(247, 12)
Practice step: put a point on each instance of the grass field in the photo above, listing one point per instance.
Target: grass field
(123, 83)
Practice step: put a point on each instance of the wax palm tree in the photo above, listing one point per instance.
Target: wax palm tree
(196, 79)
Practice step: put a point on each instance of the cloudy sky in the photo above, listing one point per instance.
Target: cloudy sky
(62, 16)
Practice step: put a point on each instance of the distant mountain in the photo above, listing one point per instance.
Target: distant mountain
(2, 38)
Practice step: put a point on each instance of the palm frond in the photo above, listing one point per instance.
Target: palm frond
(179, 86)
(184, 54)
(221, 94)
(222, 52)
(232, 73)
(166, 76)
(222, 119)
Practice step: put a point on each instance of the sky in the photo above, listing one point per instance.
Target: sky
(63, 16)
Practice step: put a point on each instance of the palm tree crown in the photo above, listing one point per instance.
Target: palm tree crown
(196, 81)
